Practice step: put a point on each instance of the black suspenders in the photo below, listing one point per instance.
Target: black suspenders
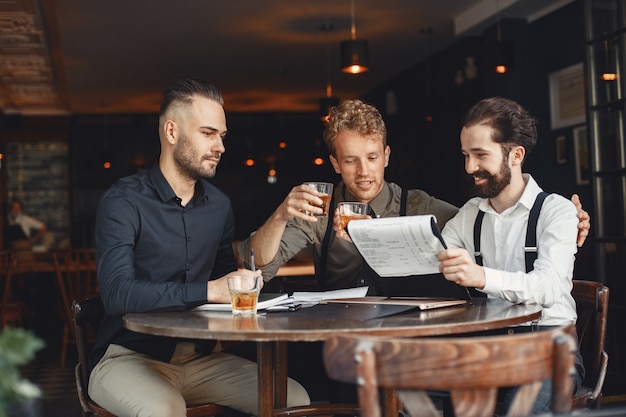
(403, 201)
(320, 272)
(530, 249)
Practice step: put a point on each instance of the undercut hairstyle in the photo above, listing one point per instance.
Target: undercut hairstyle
(181, 91)
(512, 125)
(357, 116)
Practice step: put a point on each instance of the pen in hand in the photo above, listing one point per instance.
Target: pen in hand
(252, 266)
(468, 295)
(443, 243)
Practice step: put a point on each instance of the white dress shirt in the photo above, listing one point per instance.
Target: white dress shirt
(29, 225)
(502, 247)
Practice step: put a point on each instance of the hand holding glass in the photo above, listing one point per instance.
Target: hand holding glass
(244, 293)
(325, 190)
(349, 210)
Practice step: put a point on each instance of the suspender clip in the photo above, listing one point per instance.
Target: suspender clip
(534, 325)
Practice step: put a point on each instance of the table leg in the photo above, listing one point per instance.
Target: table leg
(272, 376)
(265, 362)
(280, 382)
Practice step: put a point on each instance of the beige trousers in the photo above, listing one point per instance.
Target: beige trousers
(127, 383)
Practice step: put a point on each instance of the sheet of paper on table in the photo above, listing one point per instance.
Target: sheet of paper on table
(314, 297)
(303, 298)
(398, 246)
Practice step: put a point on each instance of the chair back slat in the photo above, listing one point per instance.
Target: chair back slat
(87, 316)
(592, 304)
(11, 308)
(75, 270)
(470, 368)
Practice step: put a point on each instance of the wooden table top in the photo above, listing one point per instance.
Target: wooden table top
(318, 323)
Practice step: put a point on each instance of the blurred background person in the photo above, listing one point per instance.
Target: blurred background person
(23, 230)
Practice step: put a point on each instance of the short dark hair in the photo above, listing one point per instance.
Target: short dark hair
(18, 201)
(182, 90)
(511, 123)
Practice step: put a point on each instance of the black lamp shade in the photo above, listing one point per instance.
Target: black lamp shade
(354, 56)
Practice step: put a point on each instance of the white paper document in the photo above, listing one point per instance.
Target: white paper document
(301, 298)
(398, 246)
(314, 297)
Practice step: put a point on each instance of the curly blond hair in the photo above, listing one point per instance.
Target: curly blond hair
(357, 116)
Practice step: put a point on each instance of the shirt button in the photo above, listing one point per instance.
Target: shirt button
(188, 267)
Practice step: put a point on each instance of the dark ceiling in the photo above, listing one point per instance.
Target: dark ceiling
(115, 56)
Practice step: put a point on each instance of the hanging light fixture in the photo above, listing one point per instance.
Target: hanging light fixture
(354, 56)
(328, 101)
(608, 69)
(501, 55)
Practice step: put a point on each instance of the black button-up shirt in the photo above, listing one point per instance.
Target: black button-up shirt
(155, 254)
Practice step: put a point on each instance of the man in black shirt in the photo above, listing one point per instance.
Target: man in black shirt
(164, 242)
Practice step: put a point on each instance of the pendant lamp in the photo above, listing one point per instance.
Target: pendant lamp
(329, 101)
(354, 55)
(501, 56)
(607, 70)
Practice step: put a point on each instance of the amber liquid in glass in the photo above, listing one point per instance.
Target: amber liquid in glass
(325, 205)
(243, 301)
(344, 219)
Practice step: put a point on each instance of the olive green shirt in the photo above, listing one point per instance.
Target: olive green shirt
(344, 264)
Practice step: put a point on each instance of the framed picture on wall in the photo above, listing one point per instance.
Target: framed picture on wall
(567, 97)
(561, 150)
(581, 152)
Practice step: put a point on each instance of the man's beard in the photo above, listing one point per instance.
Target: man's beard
(495, 182)
(189, 163)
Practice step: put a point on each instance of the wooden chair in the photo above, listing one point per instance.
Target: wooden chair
(592, 304)
(11, 308)
(87, 316)
(470, 368)
(76, 277)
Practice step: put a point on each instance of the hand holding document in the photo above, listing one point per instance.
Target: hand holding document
(399, 246)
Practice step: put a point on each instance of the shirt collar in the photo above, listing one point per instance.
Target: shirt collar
(379, 204)
(164, 189)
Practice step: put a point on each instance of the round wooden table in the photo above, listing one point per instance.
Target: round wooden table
(272, 331)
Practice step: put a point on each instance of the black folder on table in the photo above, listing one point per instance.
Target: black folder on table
(350, 311)
(431, 285)
(420, 303)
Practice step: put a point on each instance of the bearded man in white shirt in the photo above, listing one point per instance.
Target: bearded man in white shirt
(497, 136)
